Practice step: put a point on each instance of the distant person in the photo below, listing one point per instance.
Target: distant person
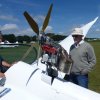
(4, 66)
(83, 59)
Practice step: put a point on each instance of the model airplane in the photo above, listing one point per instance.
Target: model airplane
(32, 82)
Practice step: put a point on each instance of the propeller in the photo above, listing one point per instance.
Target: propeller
(35, 27)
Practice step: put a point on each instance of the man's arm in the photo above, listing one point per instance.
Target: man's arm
(6, 64)
(91, 57)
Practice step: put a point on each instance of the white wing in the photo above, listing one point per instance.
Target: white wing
(39, 86)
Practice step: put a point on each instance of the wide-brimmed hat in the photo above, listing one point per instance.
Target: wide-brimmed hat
(77, 31)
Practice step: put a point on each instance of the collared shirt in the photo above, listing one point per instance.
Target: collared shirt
(77, 45)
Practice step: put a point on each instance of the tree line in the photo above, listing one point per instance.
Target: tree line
(12, 38)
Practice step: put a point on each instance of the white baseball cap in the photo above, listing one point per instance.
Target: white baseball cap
(77, 31)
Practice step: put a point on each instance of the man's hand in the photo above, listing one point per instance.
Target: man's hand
(84, 72)
(2, 75)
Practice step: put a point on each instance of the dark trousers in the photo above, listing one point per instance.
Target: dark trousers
(3, 69)
(81, 80)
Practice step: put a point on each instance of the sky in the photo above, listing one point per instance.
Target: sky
(65, 15)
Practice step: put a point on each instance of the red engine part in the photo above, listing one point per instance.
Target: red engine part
(49, 48)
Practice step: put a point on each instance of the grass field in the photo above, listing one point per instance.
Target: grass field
(94, 81)
(15, 54)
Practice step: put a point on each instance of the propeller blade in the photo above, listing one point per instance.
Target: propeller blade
(39, 50)
(32, 23)
(27, 52)
(46, 21)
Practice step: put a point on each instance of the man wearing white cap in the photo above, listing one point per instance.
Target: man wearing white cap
(83, 57)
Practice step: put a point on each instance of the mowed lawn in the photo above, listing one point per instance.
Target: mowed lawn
(23, 53)
(16, 54)
(94, 76)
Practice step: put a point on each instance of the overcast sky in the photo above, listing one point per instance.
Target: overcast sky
(66, 15)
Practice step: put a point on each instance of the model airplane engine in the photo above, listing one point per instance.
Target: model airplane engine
(49, 54)
(55, 57)
(49, 51)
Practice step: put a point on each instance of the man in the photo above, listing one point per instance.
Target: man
(83, 57)
(4, 65)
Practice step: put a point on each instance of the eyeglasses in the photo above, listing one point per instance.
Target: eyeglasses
(75, 36)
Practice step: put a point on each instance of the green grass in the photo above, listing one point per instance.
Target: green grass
(15, 54)
(94, 76)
